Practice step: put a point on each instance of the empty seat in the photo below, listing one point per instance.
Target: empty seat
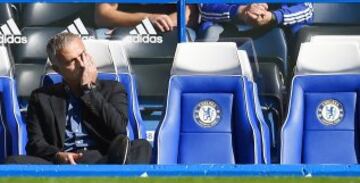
(209, 114)
(112, 64)
(12, 129)
(322, 123)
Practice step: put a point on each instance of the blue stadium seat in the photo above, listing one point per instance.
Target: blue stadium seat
(12, 128)
(322, 122)
(112, 64)
(210, 115)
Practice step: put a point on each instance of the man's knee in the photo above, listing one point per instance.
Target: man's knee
(140, 152)
(124, 151)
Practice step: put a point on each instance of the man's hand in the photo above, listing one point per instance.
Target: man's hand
(68, 157)
(89, 73)
(255, 14)
(162, 22)
(264, 19)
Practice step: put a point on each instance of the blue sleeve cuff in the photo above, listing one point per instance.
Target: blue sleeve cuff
(279, 16)
(233, 10)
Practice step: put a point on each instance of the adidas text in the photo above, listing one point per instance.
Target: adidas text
(13, 39)
(145, 39)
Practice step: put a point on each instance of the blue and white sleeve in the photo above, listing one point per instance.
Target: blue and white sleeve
(300, 13)
(217, 12)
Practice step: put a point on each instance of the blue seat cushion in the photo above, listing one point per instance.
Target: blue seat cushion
(197, 148)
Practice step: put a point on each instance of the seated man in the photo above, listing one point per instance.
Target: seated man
(291, 16)
(163, 17)
(82, 120)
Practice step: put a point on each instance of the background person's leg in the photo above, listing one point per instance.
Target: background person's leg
(102, 33)
(211, 34)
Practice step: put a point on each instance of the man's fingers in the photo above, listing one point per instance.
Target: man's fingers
(169, 22)
(159, 26)
(78, 156)
(71, 159)
(257, 12)
(81, 60)
(164, 24)
(262, 6)
(252, 16)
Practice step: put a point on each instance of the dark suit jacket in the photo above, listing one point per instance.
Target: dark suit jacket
(104, 117)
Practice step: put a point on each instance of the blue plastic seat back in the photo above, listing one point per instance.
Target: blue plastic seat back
(182, 138)
(12, 131)
(313, 140)
(209, 116)
(322, 122)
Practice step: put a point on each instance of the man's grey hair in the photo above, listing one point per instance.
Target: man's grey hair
(58, 42)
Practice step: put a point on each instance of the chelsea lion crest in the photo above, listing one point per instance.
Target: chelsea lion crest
(207, 113)
(330, 112)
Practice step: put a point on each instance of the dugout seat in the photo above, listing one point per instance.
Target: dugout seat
(210, 115)
(12, 128)
(322, 124)
(112, 64)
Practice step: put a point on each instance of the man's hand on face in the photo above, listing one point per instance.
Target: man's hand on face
(68, 157)
(89, 73)
(162, 22)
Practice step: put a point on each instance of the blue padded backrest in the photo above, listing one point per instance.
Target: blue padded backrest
(16, 137)
(196, 137)
(235, 139)
(305, 138)
(134, 112)
(254, 103)
(50, 79)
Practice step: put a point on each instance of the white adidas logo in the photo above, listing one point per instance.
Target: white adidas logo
(10, 33)
(78, 28)
(144, 33)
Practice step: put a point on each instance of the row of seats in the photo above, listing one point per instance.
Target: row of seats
(213, 113)
(237, 104)
(149, 65)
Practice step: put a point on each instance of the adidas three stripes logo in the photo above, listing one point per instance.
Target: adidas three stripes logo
(10, 28)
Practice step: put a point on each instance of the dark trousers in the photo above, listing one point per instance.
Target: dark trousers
(121, 151)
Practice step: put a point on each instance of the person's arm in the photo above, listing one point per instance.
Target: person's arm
(107, 15)
(113, 111)
(301, 13)
(218, 12)
(173, 15)
(37, 145)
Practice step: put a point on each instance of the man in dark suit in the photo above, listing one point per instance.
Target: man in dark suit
(82, 120)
